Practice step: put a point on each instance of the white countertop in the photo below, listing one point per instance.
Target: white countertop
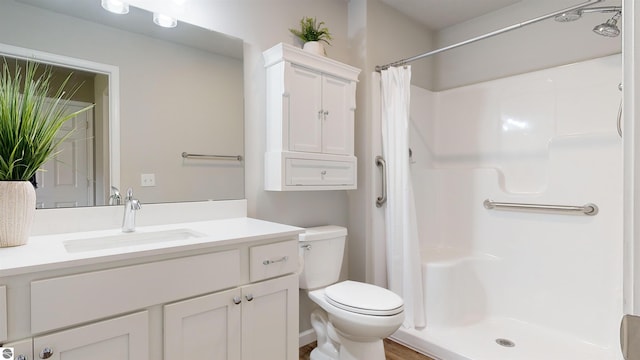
(48, 252)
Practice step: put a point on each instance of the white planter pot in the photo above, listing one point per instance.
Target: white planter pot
(315, 47)
(17, 207)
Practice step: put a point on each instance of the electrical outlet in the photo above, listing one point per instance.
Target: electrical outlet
(148, 180)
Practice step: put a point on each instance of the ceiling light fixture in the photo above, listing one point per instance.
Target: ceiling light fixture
(116, 6)
(164, 20)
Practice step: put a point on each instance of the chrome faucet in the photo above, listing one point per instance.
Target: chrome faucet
(115, 198)
(130, 207)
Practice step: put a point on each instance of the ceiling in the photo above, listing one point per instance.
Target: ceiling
(449, 12)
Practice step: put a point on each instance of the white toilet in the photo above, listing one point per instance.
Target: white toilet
(356, 316)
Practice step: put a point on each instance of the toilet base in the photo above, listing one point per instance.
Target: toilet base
(317, 354)
(355, 350)
(351, 350)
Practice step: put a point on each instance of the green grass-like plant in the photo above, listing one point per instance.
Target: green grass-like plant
(31, 113)
(311, 30)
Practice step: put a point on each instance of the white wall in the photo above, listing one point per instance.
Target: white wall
(538, 46)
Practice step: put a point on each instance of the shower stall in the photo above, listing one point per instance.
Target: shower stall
(518, 188)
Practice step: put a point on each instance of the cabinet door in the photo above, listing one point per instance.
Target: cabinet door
(3, 313)
(206, 327)
(304, 88)
(270, 319)
(126, 337)
(338, 103)
(22, 348)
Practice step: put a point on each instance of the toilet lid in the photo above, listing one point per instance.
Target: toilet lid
(364, 298)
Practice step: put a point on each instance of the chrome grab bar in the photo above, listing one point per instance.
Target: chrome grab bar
(587, 209)
(620, 113)
(620, 119)
(382, 165)
(186, 155)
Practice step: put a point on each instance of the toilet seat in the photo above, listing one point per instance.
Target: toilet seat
(365, 299)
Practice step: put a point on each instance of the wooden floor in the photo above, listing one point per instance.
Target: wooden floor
(393, 351)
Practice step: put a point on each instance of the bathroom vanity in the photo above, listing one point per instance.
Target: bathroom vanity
(226, 286)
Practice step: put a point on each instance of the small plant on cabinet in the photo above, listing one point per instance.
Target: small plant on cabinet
(312, 30)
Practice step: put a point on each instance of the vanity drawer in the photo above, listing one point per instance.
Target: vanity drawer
(73, 299)
(3, 313)
(267, 261)
(319, 172)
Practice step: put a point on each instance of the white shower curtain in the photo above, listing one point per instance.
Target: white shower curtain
(404, 272)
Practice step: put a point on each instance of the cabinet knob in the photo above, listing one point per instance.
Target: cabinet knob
(46, 353)
(326, 113)
(249, 297)
(323, 172)
(21, 357)
(237, 300)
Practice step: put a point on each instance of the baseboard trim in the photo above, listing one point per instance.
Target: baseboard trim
(306, 337)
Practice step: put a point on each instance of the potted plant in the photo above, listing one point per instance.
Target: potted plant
(31, 113)
(313, 34)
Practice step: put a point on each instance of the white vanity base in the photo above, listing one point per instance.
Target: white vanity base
(232, 290)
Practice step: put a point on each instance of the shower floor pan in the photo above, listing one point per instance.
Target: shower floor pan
(501, 339)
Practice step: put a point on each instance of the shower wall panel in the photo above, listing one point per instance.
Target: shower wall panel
(545, 137)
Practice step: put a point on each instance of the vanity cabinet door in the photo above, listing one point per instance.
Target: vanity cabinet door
(22, 350)
(125, 337)
(204, 328)
(3, 313)
(270, 319)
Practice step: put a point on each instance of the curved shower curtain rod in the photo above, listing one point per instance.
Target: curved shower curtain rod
(487, 35)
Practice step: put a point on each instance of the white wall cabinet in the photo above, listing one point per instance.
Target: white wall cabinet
(321, 112)
(311, 102)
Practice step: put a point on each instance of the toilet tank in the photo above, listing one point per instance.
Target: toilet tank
(321, 250)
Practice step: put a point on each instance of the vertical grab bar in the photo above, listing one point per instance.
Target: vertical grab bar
(383, 166)
(620, 113)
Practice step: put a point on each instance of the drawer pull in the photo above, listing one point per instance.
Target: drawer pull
(237, 300)
(249, 297)
(21, 357)
(323, 172)
(269, 262)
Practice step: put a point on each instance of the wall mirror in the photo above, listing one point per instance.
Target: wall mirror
(158, 92)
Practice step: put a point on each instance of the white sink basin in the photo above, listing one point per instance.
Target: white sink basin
(128, 239)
